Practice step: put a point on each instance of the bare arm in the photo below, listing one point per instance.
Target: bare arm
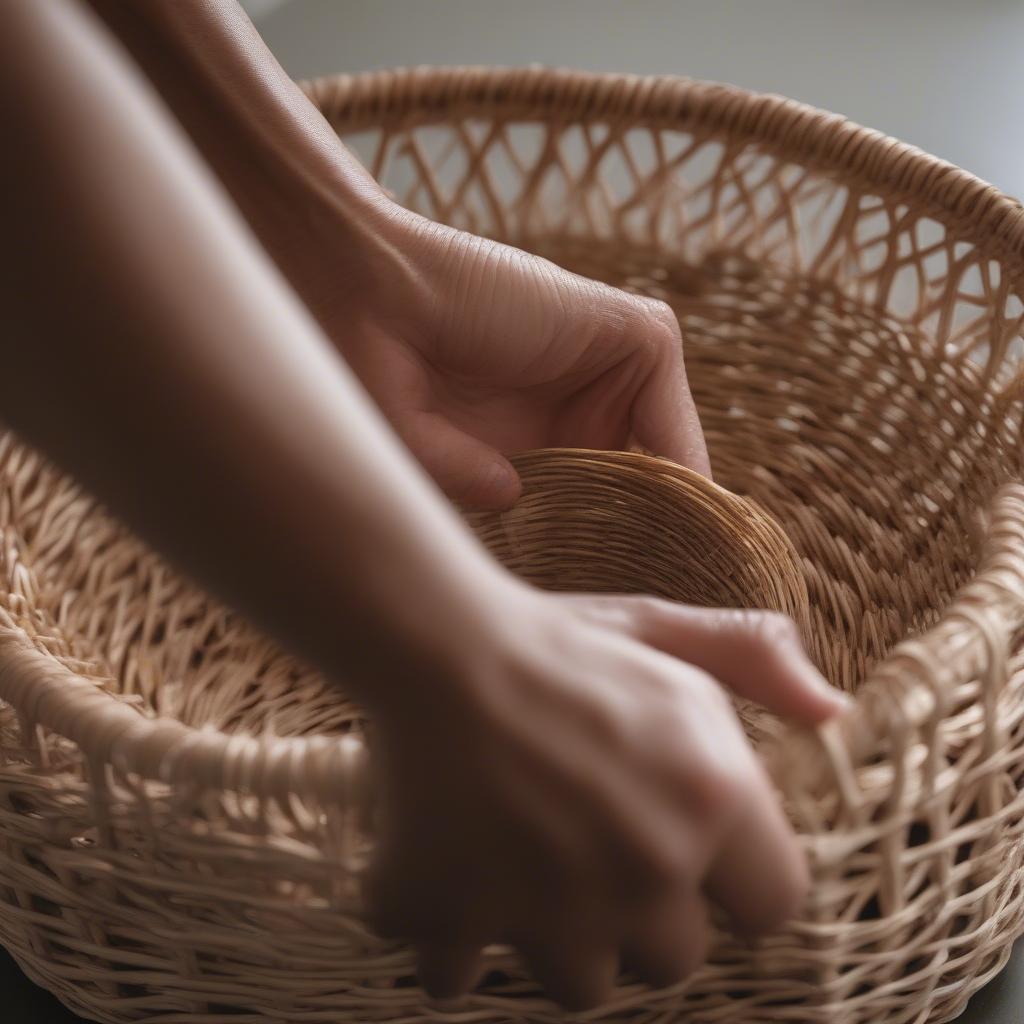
(295, 183)
(155, 351)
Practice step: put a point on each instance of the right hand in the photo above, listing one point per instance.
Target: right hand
(585, 787)
(475, 350)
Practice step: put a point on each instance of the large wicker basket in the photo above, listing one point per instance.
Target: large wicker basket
(184, 811)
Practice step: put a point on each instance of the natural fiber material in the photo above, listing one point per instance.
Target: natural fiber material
(614, 521)
(184, 810)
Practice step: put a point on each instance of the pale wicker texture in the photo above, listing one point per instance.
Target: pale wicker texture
(184, 811)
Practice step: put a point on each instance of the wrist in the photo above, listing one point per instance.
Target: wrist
(444, 650)
(308, 199)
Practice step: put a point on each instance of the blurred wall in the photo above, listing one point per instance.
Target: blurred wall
(947, 76)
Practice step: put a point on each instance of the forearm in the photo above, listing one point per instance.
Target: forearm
(153, 351)
(281, 162)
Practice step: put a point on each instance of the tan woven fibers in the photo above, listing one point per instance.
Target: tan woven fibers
(184, 812)
(615, 521)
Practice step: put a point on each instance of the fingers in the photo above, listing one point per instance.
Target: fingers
(671, 943)
(759, 875)
(469, 471)
(448, 970)
(758, 655)
(448, 965)
(576, 972)
(575, 975)
(664, 417)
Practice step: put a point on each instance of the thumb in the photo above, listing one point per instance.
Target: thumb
(467, 469)
(664, 417)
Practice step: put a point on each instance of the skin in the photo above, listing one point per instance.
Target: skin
(172, 342)
(475, 349)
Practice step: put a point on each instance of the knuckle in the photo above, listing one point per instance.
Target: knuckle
(661, 314)
(718, 792)
(714, 701)
(658, 859)
(767, 630)
(666, 867)
(646, 610)
(776, 629)
(658, 323)
(719, 698)
(733, 623)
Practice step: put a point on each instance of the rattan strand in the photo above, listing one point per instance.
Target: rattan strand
(185, 812)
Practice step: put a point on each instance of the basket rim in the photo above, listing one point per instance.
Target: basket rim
(983, 214)
(336, 767)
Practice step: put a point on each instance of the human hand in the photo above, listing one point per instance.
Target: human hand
(585, 788)
(474, 349)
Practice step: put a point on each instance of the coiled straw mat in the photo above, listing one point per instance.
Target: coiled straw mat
(183, 809)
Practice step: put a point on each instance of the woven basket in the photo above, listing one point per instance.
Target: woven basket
(184, 811)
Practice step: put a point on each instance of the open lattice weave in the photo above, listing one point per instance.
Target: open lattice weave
(183, 809)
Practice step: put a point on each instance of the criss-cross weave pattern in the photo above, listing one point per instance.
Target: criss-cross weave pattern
(186, 812)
